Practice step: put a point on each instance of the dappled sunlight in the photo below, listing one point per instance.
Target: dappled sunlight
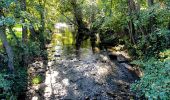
(50, 77)
(119, 50)
(77, 78)
(84, 49)
(66, 82)
(103, 71)
(35, 98)
(18, 29)
(61, 25)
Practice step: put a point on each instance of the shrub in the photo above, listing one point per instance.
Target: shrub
(150, 45)
(13, 85)
(155, 84)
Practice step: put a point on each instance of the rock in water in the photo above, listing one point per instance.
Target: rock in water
(104, 58)
(121, 58)
(113, 57)
(57, 56)
(139, 72)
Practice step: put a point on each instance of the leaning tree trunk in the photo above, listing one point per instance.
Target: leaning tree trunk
(7, 48)
(6, 45)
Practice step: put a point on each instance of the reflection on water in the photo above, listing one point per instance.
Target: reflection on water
(63, 45)
(90, 77)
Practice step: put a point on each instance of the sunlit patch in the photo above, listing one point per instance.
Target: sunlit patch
(57, 47)
(18, 29)
(35, 98)
(103, 71)
(55, 73)
(47, 79)
(51, 77)
(37, 64)
(48, 90)
(61, 25)
(60, 89)
(65, 82)
(50, 63)
(63, 92)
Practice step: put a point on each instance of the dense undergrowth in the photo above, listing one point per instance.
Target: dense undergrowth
(14, 86)
(153, 57)
(148, 48)
(155, 84)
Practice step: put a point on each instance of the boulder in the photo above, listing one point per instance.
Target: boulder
(135, 70)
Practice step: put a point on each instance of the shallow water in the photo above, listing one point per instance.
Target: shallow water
(85, 77)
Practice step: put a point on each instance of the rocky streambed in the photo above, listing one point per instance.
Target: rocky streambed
(87, 77)
(91, 76)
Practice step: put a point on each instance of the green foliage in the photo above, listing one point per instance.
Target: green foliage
(8, 21)
(155, 84)
(150, 45)
(106, 18)
(165, 55)
(5, 84)
(13, 85)
(33, 49)
(37, 79)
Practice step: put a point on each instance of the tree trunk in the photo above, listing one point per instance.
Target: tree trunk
(42, 20)
(150, 3)
(152, 19)
(8, 49)
(13, 34)
(24, 33)
(6, 45)
(82, 30)
(24, 28)
(131, 31)
(111, 2)
(132, 10)
(33, 33)
(169, 25)
(93, 37)
(42, 39)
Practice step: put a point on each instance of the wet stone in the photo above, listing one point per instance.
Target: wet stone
(57, 55)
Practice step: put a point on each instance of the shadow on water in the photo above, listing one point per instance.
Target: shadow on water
(73, 79)
(84, 78)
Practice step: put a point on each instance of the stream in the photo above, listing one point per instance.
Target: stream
(88, 77)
